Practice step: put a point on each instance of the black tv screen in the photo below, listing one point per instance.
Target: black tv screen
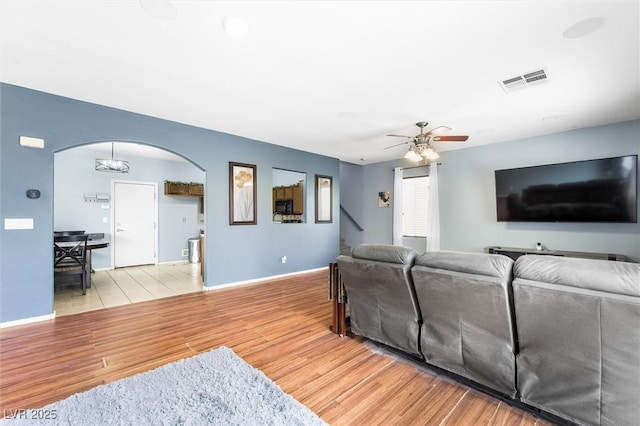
(602, 190)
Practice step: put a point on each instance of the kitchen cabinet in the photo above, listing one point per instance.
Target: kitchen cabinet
(294, 193)
(288, 192)
(196, 189)
(298, 199)
(176, 188)
(183, 188)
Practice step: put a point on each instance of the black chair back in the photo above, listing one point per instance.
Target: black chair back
(70, 256)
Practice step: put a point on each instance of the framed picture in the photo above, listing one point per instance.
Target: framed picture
(384, 198)
(242, 194)
(324, 199)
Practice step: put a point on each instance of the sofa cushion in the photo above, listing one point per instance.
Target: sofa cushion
(384, 253)
(467, 315)
(600, 275)
(470, 263)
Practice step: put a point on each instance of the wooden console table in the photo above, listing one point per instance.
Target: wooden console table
(515, 252)
(338, 295)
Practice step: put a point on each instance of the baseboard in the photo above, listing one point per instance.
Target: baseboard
(257, 280)
(169, 262)
(181, 261)
(28, 320)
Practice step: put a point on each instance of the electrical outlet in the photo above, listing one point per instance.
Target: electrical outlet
(185, 252)
(283, 259)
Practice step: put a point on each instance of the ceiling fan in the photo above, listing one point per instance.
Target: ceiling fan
(421, 147)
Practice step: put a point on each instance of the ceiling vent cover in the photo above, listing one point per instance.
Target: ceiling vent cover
(525, 80)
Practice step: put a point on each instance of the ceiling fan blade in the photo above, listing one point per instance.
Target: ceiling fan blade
(401, 136)
(437, 128)
(398, 144)
(450, 138)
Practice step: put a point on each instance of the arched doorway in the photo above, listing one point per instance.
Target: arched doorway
(83, 198)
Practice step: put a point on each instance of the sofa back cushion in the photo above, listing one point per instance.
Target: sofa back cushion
(384, 253)
(611, 277)
(467, 315)
(381, 295)
(578, 326)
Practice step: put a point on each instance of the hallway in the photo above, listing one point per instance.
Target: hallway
(124, 286)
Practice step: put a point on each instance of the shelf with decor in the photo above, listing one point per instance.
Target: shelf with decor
(515, 252)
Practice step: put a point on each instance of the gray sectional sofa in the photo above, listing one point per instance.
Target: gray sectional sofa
(560, 335)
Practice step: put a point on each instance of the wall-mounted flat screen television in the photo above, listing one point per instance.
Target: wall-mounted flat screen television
(601, 190)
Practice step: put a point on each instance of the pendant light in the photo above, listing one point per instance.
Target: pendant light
(111, 165)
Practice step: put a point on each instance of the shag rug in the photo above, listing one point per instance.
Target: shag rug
(214, 388)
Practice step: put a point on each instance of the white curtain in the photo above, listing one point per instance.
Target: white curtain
(397, 206)
(433, 211)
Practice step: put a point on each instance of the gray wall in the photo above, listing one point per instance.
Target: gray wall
(233, 253)
(74, 175)
(467, 194)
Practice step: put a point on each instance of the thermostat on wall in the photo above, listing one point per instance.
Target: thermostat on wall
(33, 193)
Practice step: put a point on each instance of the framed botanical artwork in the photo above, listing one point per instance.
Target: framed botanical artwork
(242, 194)
(324, 199)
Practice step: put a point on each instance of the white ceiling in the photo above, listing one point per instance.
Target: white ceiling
(334, 77)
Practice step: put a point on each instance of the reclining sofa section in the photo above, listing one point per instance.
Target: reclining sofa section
(467, 315)
(382, 298)
(578, 324)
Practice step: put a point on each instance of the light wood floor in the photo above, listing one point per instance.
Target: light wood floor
(126, 285)
(280, 327)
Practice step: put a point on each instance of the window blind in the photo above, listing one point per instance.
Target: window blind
(415, 194)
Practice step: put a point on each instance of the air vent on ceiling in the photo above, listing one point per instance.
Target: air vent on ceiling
(525, 80)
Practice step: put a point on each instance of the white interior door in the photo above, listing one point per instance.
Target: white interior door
(134, 223)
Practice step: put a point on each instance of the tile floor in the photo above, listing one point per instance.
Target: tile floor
(127, 285)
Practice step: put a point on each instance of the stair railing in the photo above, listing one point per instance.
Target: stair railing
(346, 213)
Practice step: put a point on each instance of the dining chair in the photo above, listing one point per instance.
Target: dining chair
(70, 257)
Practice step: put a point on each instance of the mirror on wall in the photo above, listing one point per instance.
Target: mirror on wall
(324, 199)
(287, 200)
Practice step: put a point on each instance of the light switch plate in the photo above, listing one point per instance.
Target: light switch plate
(21, 223)
(31, 142)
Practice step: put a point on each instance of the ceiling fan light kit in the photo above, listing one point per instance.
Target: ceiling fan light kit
(422, 148)
(412, 155)
(421, 152)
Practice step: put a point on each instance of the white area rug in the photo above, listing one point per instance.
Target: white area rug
(214, 388)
